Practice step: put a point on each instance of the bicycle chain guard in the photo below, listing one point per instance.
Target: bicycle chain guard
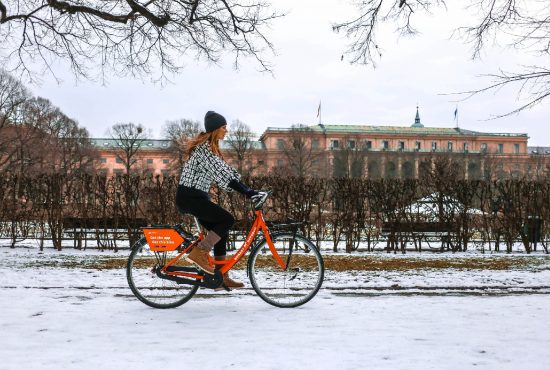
(208, 281)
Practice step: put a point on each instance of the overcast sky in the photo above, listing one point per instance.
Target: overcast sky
(307, 70)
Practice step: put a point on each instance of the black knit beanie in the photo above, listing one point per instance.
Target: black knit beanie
(213, 121)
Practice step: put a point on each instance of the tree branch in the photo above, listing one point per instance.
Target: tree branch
(535, 83)
(63, 6)
(193, 11)
(132, 37)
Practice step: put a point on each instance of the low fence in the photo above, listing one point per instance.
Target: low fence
(352, 213)
(419, 238)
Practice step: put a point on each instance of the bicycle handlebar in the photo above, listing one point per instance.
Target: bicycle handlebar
(260, 199)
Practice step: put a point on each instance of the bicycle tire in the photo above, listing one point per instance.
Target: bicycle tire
(147, 286)
(296, 285)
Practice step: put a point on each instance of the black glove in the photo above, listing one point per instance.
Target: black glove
(242, 188)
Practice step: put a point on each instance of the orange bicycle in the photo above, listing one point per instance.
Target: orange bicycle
(285, 268)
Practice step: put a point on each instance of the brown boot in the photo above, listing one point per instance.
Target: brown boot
(199, 257)
(227, 281)
(230, 283)
(199, 254)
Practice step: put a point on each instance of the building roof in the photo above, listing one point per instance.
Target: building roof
(256, 144)
(395, 130)
(541, 150)
(153, 144)
(108, 143)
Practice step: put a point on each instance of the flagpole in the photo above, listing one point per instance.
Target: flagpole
(456, 115)
(319, 113)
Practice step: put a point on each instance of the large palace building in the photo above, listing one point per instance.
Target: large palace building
(356, 151)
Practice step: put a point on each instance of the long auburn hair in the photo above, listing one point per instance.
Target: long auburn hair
(211, 137)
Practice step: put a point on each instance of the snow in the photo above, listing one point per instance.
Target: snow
(55, 317)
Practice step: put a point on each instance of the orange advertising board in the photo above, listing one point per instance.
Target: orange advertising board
(162, 240)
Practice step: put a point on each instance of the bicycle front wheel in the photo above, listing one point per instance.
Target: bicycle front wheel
(147, 286)
(296, 284)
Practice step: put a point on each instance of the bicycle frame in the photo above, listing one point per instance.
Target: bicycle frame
(258, 225)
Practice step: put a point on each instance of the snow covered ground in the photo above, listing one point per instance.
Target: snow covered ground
(58, 317)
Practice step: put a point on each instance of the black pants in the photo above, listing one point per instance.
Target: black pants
(210, 215)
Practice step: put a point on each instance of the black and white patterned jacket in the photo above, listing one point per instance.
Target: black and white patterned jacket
(205, 167)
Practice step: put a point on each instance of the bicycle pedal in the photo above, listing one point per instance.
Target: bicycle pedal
(222, 287)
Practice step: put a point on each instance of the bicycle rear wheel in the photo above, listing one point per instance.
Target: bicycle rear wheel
(295, 285)
(147, 286)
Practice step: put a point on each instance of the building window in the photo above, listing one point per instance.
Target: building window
(119, 160)
(280, 162)
(434, 146)
(149, 161)
(315, 144)
(260, 163)
(102, 160)
(391, 170)
(334, 144)
(465, 147)
(385, 144)
(500, 148)
(408, 170)
(417, 146)
(165, 161)
(450, 146)
(280, 144)
(368, 145)
(516, 148)
(401, 145)
(483, 148)
(351, 144)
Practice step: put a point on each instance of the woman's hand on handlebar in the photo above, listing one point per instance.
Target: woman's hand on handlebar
(259, 199)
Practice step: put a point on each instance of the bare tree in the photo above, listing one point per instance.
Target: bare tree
(516, 24)
(129, 139)
(13, 96)
(29, 149)
(65, 147)
(299, 152)
(131, 36)
(179, 132)
(240, 139)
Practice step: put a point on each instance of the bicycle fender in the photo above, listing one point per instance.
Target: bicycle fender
(139, 243)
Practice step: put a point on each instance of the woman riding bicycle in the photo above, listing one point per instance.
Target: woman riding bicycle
(204, 166)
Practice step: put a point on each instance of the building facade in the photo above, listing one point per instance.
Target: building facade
(356, 151)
